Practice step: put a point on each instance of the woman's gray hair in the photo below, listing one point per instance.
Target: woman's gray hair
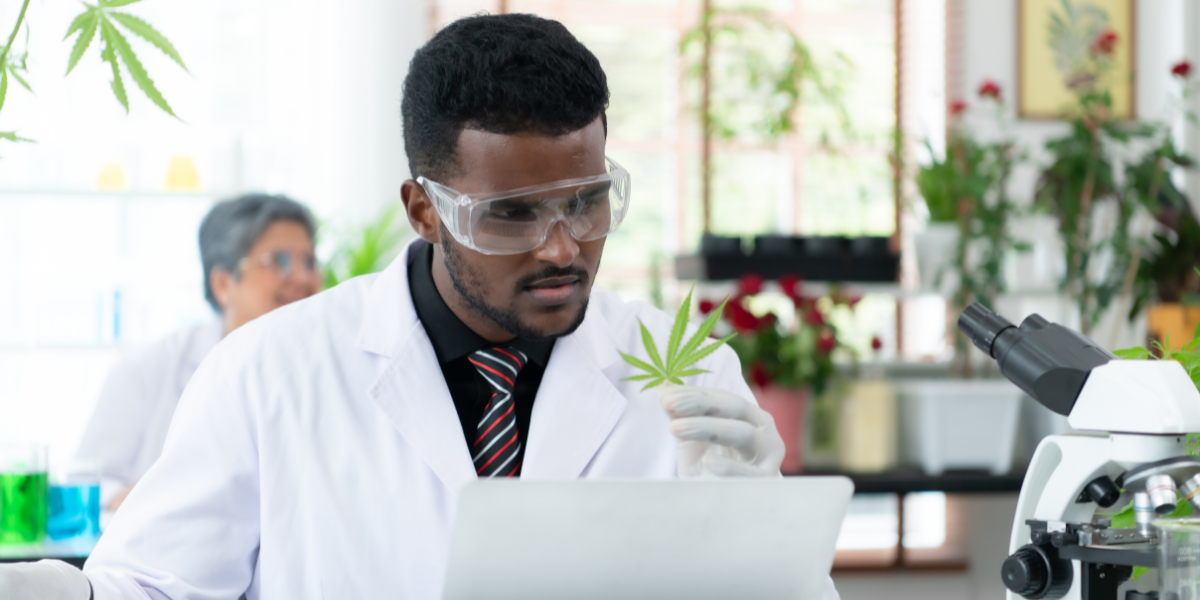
(232, 227)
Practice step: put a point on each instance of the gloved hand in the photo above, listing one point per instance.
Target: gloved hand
(43, 580)
(721, 434)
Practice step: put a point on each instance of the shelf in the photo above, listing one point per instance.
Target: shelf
(874, 269)
(908, 481)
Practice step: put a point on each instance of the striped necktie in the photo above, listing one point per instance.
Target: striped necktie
(497, 450)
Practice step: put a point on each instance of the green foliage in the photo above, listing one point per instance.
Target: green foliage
(116, 48)
(96, 18)
(1085, 171)
(676, 365)
(1165, 272)
(369, 249)
(761, 71)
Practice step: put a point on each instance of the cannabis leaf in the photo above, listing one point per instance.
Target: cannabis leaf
(101, 18)
(675, 366)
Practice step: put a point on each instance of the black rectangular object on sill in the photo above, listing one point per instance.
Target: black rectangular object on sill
(874, 269)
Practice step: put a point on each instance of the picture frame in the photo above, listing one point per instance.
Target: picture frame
(1042, 91)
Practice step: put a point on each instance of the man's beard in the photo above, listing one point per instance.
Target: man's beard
(466, 283)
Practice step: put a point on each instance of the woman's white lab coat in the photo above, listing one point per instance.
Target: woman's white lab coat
(317, 452)
(129, 423)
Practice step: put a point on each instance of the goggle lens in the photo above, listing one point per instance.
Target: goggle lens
(590, 208)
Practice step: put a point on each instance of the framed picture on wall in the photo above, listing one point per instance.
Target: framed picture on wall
(1056, 39)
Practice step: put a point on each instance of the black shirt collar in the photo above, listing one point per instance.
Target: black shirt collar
(451, 338)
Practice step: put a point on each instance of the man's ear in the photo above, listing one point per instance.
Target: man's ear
(222, 283)
(422, 215)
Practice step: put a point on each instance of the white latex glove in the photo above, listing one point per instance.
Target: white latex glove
(43, 580)
(721, 434)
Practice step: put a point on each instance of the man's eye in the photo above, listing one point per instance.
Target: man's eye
(511, 211)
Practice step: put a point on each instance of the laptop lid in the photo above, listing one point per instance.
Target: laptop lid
(701, 538)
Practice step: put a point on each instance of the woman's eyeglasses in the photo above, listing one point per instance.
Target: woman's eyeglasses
(283, 262)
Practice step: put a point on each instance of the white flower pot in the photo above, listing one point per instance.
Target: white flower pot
(935, 253)
(958, 424)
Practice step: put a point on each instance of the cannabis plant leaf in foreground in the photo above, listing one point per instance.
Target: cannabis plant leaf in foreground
(100, 18)
(680, 356)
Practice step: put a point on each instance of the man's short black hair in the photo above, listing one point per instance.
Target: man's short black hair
(503, 74)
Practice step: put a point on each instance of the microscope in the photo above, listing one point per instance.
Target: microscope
(1134, 416)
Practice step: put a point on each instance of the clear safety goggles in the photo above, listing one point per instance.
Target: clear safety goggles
(520, 220)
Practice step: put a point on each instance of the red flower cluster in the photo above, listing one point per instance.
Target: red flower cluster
(706, 306)
(743, 320)
(989, 89)
(750, 285)
(957, 107)
(1105, 43)
(1182, 69)
(826, 342)
(876, 343)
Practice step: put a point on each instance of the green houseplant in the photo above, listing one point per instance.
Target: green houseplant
(968, 187)
(1102, 255)
(753, 74)
(369, 248)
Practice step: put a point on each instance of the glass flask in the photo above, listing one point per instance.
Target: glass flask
(24, 493)
(1178, 558)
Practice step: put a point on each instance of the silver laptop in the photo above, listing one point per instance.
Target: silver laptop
(729, 538)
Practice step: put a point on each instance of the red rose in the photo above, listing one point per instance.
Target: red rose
(989, 89)
(1182, 69)
(790, 284)
(1105, 43)
(813, 316)
(750, 285)
(876, 343)
(743, 320)
(853, 301)
(826, 342)
(759, 375)
(706, 306)
(957, 107)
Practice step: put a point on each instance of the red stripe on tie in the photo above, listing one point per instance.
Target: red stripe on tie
(479, 438)
(515, 469)
(498, 373)
(518, 361)
(497, 454)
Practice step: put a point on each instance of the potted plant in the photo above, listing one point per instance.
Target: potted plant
(368, 249)
(752, 71)
(1167, 283)
(966, 194)
(786, 364)
(1081, 182)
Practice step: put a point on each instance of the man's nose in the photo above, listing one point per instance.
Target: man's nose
(559, 248)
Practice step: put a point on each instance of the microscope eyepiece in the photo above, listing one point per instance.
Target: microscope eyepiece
(1048, 361)
(982, 327)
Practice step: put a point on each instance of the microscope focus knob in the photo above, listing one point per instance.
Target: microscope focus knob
(1037, 572)
(1026, 572)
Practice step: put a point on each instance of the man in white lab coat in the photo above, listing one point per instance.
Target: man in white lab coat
(257, 254)
(319, 452)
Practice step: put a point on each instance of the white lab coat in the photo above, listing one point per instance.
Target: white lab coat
(317, 453)
(128, 426)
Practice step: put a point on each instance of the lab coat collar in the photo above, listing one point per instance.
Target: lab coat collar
(567, 427)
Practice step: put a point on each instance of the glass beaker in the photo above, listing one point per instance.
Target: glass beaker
(24, 493)
(74, 503)
(1178, 558)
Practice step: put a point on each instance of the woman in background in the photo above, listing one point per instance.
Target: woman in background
(257, 254)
